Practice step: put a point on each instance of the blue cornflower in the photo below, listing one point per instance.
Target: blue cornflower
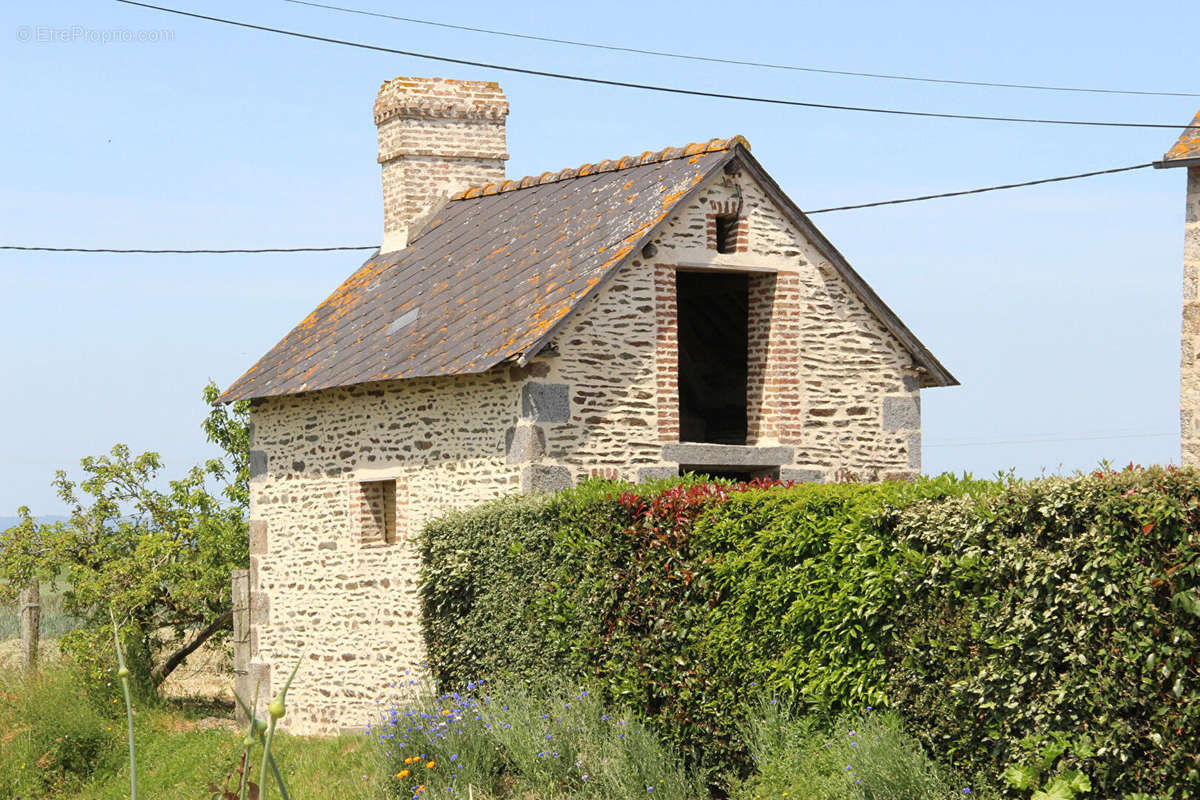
(966, 790)
(649, 788)
(847, 766)
(454, 757)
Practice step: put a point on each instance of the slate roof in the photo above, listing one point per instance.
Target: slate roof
(500, 268)
(1186, 151)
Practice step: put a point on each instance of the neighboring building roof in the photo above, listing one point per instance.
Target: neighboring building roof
(496, 272)
(1186, 152)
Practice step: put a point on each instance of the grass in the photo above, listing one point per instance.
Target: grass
(502, 744)
(57, 742)
(178, 761)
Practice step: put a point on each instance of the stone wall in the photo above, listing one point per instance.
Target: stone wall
(324, 583)
(1189, 368)
(825, 376)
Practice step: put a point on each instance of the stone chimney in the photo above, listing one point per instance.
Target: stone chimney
(436, 137)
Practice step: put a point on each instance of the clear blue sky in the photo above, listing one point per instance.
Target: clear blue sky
(1057, 307)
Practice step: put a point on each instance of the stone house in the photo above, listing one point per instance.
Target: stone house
(1186, 154)
(632, 319)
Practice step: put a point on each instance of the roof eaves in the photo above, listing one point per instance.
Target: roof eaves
(1167, 163)
(936, 373)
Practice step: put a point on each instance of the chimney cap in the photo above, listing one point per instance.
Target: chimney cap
(440, 98)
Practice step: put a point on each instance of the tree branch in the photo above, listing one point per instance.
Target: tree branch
(160, 673)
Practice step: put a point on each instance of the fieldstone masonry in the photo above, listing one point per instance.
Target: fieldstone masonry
(832, 394)
(1189, 371)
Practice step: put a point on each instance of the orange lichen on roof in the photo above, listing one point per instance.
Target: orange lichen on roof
(692, 150)
(1188, 146)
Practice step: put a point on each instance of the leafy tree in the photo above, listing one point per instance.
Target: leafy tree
(160, 559)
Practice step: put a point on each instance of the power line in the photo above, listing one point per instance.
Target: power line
(652, 87)
(735, 61)
(212, 252)
(376, 247)
(982, 190)
(1053, 439)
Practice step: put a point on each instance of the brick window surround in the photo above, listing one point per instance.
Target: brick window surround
(737, 228)
(378, 511)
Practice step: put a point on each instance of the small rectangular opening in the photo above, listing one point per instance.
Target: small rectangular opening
(736, 474)
(378, 512)
(713, 317)
(726, 233)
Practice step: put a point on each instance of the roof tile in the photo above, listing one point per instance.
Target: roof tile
(498, 268)
(1188, 146)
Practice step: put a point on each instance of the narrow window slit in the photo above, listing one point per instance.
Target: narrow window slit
(727, 228)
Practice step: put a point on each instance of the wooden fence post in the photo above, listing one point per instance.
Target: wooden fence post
(30, 609)
(241, 638)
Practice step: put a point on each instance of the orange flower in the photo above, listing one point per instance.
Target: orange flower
(431, 765)
(402, 773)
(421, 788)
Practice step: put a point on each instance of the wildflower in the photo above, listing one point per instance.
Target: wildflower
(853, 732)
(585, 776)
(649, 788)
(454, 757)
(402, 773)
(431, 765)
(966, 790)
(847, 766)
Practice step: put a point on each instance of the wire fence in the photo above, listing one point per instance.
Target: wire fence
(54, 621)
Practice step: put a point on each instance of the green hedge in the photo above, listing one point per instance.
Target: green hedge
(986, 612)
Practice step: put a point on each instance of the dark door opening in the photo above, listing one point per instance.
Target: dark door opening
(713, 342)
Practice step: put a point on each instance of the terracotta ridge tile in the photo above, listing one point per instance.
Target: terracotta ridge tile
(608, 165)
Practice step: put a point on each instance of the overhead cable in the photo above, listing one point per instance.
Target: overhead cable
(653, 87)
(736, 61)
